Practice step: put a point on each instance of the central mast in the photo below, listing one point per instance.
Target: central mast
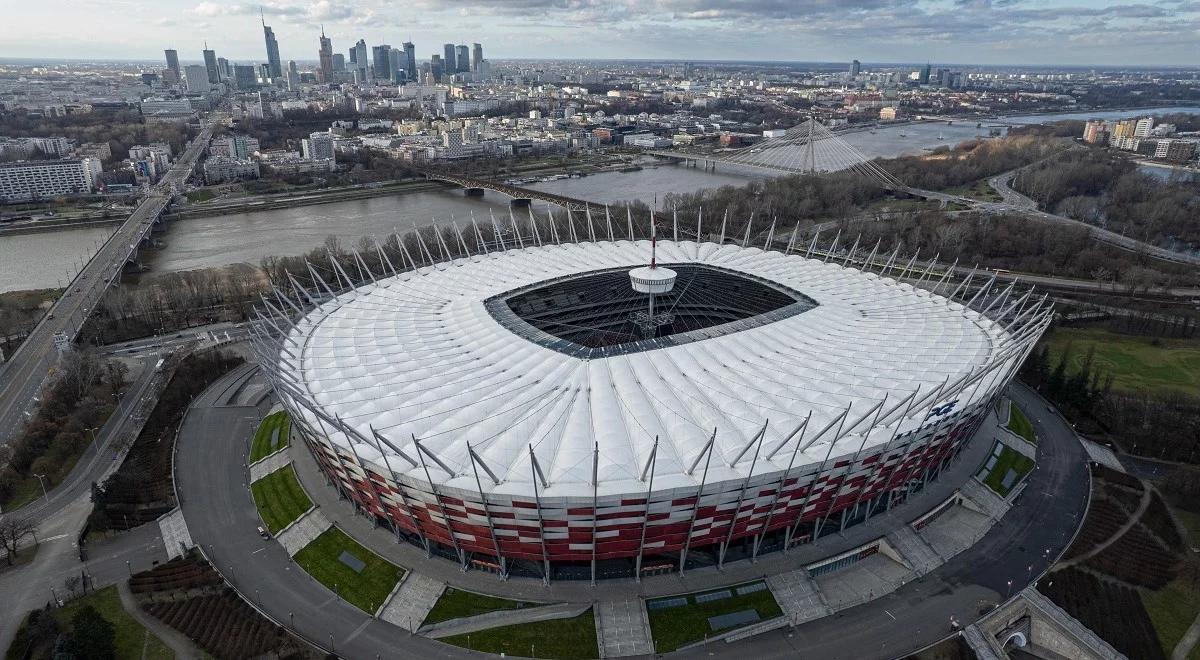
(652, 280)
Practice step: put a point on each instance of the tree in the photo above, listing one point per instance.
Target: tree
(13, 530)
(92, 636)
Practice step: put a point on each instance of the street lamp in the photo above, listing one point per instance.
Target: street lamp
(93, 432)
(43, 483)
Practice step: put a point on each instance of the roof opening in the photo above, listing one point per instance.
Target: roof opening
(597, 313)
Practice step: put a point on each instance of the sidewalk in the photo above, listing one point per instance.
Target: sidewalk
(182, 646)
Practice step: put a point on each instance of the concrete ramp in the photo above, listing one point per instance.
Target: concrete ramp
(920, 557)
(798, 596)
(412, 600)
(622, 628)
(303, 531)
(983, 499)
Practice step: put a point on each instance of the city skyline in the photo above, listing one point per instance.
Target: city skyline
(983, 32)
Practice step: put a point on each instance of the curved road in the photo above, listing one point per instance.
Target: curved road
(213, 481)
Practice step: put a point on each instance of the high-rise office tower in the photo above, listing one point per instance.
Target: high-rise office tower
(476, 56)
(381, 59)
(448, 59)
(223, 69)
(435, 68)
(273, 62)
(293, 76)
(173, 61)
(923, 78)
(197, 78)
(210, 63)
(360, 61)
(244, 77)
(410, 54)
(397, 65)
(353, 57)
(339, 63)
(462, 59)
(855, 68)
(325, 57)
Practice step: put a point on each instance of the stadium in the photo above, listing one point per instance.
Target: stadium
(542, 410)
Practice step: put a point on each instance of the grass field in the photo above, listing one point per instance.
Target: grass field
(977, 190)
(261, 447)
(1018, 423)
(279, 498)
(131, 639)
(366, 589)
(565, 639)
(1172, 609)
(456, 604)
(1134, 362)
(1008, 459)
(678, 626)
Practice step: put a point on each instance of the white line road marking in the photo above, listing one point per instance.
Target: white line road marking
(890, 614)
(258, 551)
(55, 538)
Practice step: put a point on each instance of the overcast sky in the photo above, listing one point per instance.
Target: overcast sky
(1069, 32)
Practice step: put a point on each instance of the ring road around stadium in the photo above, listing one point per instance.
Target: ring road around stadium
(518, 409)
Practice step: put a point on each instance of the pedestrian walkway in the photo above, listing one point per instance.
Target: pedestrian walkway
(270, 464)
(308, 527)
(920, 557)
(180, 645)
(175, 536)
(410, 604)
(798, 596)
(955, 530)
(984, 499)
(1102, 455)
(866, 580)
(506, 618)
(622, 628)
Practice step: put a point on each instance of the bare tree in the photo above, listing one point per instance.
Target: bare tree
(13, 530)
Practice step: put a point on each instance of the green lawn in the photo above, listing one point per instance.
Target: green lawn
(366, 589)
(261, 447)
(567, 639)
(131, 639)
(1134, 362)
(976, 190)
(1018, 423)
(1191, 523)
(456, 604)
(279, 498)
(1172, 609)
(200, 195)
(1009, 458)
(678, 626)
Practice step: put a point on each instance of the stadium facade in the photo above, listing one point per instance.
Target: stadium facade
(504, 409)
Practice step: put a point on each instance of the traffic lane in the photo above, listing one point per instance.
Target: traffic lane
(99, 456)
(1147, 468)
(220, 513)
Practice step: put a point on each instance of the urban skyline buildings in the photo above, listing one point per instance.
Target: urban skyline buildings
(273, 62)
(448, 58)
(325, 58)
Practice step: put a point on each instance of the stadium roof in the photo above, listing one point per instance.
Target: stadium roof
(421, 356)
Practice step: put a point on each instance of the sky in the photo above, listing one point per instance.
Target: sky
(1016, 32)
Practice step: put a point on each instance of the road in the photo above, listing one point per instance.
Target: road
(212, 478)
(23, 375)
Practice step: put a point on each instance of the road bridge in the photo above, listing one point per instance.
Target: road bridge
(23, 375)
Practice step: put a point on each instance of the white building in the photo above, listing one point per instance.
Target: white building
(233, 146)
(1143, 127)
(169, 106)
(220, 168)
(318, 146)
(27, 146)
(647, 141)
(41, 179)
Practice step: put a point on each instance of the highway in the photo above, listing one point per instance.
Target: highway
(23, 375)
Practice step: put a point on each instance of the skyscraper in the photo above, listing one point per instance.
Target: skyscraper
(339, 63)
(476, 56)
(273, 62)
(448, 59)
(462, 59)
(923, 78)
(293, 76)
(397, 65)
(210, 63)
(435, 68)
(855, 68)
(410, 53)
(325, 56)
(360, 61)
(173, 61)
(381, 59)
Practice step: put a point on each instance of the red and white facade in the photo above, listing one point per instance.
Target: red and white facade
(461, 435)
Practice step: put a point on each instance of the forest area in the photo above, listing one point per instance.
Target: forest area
(121, 129)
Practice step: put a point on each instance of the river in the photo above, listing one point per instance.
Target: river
(44, 260)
